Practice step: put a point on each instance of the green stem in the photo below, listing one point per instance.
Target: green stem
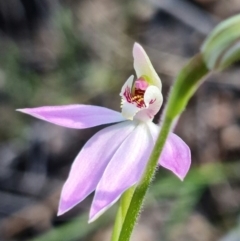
(122, 210)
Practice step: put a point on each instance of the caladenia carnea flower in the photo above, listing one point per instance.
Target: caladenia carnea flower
(115, 158)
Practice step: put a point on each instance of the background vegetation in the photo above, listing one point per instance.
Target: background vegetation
(63, 52)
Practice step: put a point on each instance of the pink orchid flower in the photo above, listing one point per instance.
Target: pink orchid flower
(114, 159)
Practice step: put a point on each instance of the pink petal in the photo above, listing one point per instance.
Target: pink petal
(124, 170)
(89, 165)
(75, 116)
(176, 155)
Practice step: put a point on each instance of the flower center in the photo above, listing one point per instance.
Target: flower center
(135, 95)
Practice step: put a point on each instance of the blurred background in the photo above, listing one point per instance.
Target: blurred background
(56, 52)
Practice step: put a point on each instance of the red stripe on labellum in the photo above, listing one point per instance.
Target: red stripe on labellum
(136, 94)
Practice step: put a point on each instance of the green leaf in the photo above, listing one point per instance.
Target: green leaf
(187, 82)
(221, 48)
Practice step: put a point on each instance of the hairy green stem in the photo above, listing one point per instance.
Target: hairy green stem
(121, 213)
